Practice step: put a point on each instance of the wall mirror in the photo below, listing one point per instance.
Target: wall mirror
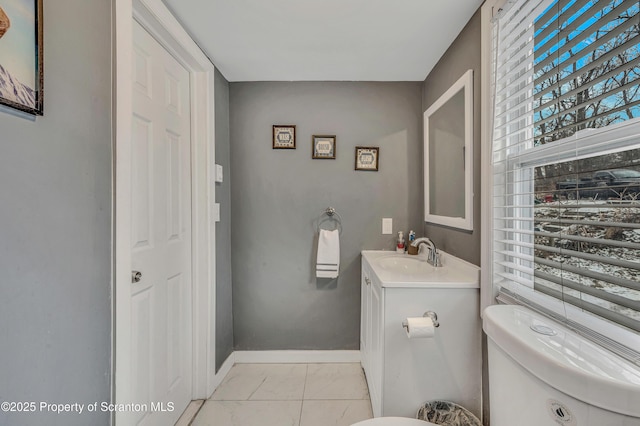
(448, 157)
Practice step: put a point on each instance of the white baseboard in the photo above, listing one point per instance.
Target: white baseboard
(295, 357)
(190, 413)
(223, 371)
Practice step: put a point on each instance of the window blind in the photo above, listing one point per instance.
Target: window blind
(566, 95)
(586, 70)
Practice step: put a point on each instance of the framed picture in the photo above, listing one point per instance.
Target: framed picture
(367, 158)
(323, 147)
(21, 55)
(284, 136)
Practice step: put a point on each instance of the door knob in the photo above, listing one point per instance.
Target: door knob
(136, 276)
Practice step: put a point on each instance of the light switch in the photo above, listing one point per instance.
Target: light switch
(218, 173)
(216, 212)
(387, 225)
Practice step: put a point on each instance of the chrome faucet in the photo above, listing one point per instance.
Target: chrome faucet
(434, 256)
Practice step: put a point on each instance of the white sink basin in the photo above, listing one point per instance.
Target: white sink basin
(403, 270)
(404, 264)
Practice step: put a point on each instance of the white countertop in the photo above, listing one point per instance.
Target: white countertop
(455, 272)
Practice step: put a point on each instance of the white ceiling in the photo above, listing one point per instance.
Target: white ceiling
(339, 40)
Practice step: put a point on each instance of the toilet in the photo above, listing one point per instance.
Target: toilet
(543, 374)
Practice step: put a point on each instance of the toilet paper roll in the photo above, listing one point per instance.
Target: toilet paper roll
(420, 328)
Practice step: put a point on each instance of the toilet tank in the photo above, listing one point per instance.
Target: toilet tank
(553, 376)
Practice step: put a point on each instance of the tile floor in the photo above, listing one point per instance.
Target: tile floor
(288, 395)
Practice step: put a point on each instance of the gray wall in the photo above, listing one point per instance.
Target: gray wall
(463, 54)
(55, 232)
(224, 314)
(278, 195)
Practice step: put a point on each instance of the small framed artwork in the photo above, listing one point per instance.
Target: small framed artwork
(284, 136)
(367, 158)
(21, 54)
(323, 146)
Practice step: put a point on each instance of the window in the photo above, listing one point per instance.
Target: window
(566, 161)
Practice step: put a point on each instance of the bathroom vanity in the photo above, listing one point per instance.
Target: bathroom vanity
(404, 373)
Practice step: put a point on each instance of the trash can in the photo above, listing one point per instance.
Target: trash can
(447, 413)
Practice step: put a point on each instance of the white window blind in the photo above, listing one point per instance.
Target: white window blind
(585, 66)
(566, 160)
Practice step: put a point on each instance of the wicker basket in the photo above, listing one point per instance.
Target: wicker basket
(447, 414)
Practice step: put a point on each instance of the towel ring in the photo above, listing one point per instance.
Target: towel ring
(331, 215)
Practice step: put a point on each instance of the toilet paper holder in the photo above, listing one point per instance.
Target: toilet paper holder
(430, 314)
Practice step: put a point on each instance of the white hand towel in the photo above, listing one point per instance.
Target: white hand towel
(328, 260)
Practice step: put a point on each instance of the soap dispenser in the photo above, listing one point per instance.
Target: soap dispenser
(400, 244)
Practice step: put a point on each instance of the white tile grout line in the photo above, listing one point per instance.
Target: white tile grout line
(304, 388)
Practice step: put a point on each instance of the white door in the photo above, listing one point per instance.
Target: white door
(161, 306)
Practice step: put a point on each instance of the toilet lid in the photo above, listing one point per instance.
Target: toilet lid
(393, 421)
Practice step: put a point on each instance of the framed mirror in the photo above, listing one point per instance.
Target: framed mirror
(448, 157)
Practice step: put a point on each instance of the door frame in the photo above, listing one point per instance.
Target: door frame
(154, 16)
